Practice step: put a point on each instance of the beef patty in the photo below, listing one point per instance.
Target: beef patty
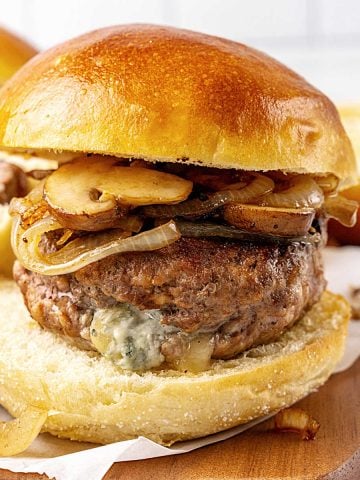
(242, 294)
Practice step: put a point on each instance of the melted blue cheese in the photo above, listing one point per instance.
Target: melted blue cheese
(129, 337)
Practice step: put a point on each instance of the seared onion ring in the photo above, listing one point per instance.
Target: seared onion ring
(328, 183)
(303, 192)
(85, 250)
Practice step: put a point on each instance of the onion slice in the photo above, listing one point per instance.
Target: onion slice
(31, 208)
(327, 183)
(261, 185)
(18, 434)
(342, 209)
(85, 250)
(34, 197)
(296, 420)
(197, 356)
(303, 192)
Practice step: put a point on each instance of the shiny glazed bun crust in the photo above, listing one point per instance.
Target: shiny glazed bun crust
(14, 52)
(350, 117)
(167, 94)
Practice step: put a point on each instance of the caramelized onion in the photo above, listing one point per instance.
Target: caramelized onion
(298, 421)
(65, 237)
(85, 250)
(22, 205)
(30, 208)
(132, 223)
(204, 229)
(342, 209)
(303, 192)
(18, 434)
(20, 244)
(39, 174)
(197, 355)
(327, 183)
(261, 185)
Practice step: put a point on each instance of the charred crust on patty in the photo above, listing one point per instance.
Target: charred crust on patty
(242, 294)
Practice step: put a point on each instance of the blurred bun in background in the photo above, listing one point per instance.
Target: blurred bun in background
(350, 116)
(15, 182)
(14, 52)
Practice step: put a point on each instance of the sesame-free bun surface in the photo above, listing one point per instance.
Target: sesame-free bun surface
(14, 52)
(89, 399)
(6, 254)
(350, 117)
(167, 94)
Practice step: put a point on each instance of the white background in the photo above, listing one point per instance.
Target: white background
(318, 38)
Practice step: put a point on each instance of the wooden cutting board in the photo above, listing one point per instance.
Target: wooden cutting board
(261, 454)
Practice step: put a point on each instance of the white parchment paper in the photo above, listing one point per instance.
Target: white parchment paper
(66, 460)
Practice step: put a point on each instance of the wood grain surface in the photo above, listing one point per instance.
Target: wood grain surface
(261, 454)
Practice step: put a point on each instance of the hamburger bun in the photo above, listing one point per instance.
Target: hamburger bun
(350, 116)
(165, 94)
(26, 163)
(6, 254)
(14, 52)
(168, 95)
(89, 399)
(347, 235)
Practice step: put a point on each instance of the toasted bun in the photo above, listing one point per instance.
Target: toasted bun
(6, 254)
(14, 52)
(350, 116)
(90, 399)
(166, 94)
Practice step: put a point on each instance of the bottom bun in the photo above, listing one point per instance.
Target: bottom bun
(90, 399)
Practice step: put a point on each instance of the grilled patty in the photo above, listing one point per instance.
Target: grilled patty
(242, 294)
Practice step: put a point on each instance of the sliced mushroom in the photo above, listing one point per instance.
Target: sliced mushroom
(277, 221)
(93, 193)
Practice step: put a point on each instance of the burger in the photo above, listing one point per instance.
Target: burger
(14, 52)
(171, 267)
(342, 234)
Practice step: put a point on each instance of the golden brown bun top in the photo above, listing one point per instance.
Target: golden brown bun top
(166, 94)
(350, 117)
(14, 52)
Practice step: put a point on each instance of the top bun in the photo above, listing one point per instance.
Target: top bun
(350, 117)
(166, 94)
(14, 52)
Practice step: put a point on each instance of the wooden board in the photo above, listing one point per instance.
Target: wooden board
(262, 454)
